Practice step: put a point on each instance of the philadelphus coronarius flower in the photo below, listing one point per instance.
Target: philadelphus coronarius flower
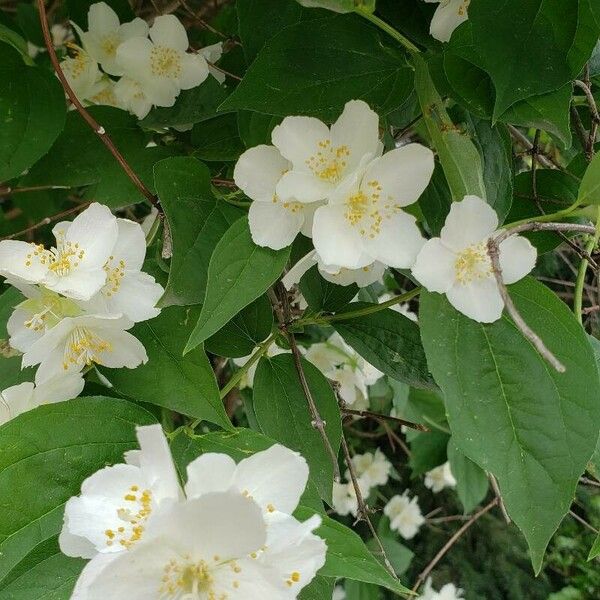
(372, 469)
(448, 592)
(151, 72)
(405, 515)
(457, 263)
(447, 17)
(229, 535)
(82, 295)
(439, 478)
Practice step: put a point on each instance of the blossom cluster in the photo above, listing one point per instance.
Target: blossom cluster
(82, 297)
(336, 185)
(152, 64)
(228, 533)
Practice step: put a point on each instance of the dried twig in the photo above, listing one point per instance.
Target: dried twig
(97, 128)
(378, 416)
(544, 160)
(496, 489)
(362, 513)
(436, 559)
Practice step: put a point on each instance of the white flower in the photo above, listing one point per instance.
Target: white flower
(26, 396)
(339, 275)
(439, 478)
(105, 34)
(128, 290)
(274, 223)
(338, 593)
(75, 267)
(344, 499)
(105, 94)
(77, 342)
(83, 75)
(457, 263)
(364, 222)
(372, 468)
(162, 66)
(322, 157)
(212, 54)
(447, 17)
(117, 502)
(131, 96)
(448, 592)
(60, 34)
(248, 380)
(405, 515)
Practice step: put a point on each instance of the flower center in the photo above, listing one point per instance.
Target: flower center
(114, 276)
(47, 310)
(165, 62)
(84, 347)
(329, 162)
(367, 210)
(292, 205)
(109, 45)
(79, 63)
(473, 263)
(132, 516)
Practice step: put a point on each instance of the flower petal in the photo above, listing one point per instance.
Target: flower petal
(137, 297)
(398, 242)
(210, 472)
(21, 338)
(403, 174)
(194, 70)
(297, 138)
(274, 226)
(517, 258)
(434, 267)
(447, 17)
(102, 19)
(136, 28)
(133, 56)
(303, 187)
(357, 128)
(91, 570)
(20, 260)
(469, 222)
(130, 245)
(479, 300)
(362, 277)
(125, 350)
(294, 275)
(258, 170)
(336, 242)
(168, 31)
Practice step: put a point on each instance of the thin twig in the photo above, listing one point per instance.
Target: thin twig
(7, 190)
(228, 73)
(97, 128)
(544, 160)
(587, 481)
(436, 559)
(378, 416)
(496, 489)
(362, 513)
(284, 316)
(579, 128)
(583, 522)
(48, 220)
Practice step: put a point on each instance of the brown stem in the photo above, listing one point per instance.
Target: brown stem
(499, 496)
(436, 559)
(87, 117)
(545, 161)
(583, 522)
(378, 416)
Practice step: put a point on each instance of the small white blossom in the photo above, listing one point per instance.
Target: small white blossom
(372, 468)
(405, 515)
(457, 263)
(75, 267)
(83, 75)
(212, 54)
(128, 290)
(274, 223)
(322, 157)
(131, 96)
(338, 593)
(162, 66)
(105, 34)
(26, 396)
(439, 478)
(344, 499)
(447, 592)
(447, 17)
(77, 342)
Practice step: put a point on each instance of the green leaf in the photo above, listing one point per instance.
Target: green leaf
(44, 574)
(399, 555)
(320, 588)
(389, 341)
(322, 295)
(457, 153)
(239, 444)
(348, 557)
(185, 384)
(589, 190)
(78, 158)
(217, 139)
(17, 43)
(428, 450)
(334, 59)
(595, 549)
(260, 20)
(239, 272)
(471, 481)
(244, 332)
(255, 128)
(29, 126)
(435, 201)
(534, 433)
(192, 106)
(196, 220)
(529, 48)
(341, 6)
(410, 18)
(282, 412)
(54, 448)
